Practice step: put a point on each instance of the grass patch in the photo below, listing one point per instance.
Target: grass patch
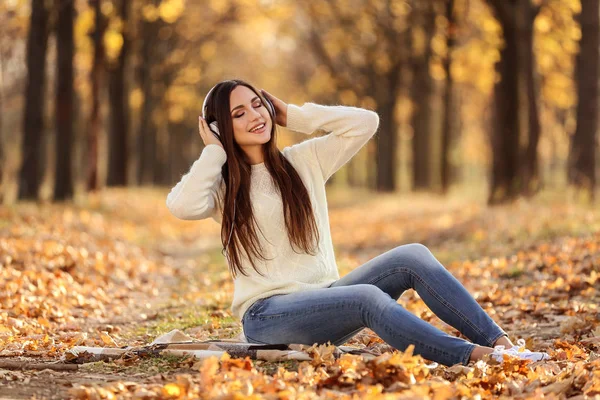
(513, 273)
(165, 322)
(191, 317)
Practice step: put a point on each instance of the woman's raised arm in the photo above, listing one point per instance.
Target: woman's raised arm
(195, 195)
(348, 128)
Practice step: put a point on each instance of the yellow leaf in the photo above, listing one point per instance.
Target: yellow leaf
(107, 340)
(172, 390)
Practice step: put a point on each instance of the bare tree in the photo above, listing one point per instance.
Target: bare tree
(449, 97)
(64, 111)
(515, 167)
(423, 21)
(33, 118)
(119, 107)
(582, 156)
(97, 78)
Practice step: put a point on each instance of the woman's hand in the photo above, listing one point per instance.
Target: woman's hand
(280, 108)
(208, 137)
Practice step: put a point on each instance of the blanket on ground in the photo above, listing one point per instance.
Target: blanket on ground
(179, 344)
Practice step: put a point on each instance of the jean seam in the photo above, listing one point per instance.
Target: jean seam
(427, 346)
(248, 337)
(270, 316)
(313, 308)
(435, 294)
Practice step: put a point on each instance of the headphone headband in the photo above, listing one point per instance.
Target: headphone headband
(205, 99)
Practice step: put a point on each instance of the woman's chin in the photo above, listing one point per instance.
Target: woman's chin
(261, 139)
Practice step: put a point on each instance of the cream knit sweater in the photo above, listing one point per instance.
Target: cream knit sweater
(315, 160)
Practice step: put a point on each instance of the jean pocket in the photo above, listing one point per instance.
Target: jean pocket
(254, 308)
(260, 310)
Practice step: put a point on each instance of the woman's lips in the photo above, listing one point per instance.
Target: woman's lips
(261, 130)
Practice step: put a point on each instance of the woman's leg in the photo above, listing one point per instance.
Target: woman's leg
(413, 266)
(335, 314)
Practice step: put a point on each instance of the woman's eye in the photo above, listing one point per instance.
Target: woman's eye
(259, 104)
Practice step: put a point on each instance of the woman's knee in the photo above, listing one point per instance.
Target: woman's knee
(416, 248)
(416, 256)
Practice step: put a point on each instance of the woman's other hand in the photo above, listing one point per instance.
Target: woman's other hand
(280, 108)
(208, 137)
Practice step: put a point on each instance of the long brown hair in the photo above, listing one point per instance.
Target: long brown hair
(297, 209)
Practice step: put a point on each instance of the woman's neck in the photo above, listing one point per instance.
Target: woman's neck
(254, 155)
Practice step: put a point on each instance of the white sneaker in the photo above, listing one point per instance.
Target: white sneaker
(515, 351)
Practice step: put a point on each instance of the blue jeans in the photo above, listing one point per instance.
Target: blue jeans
(367, 297)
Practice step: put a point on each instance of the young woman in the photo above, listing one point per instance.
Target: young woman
(272, 208)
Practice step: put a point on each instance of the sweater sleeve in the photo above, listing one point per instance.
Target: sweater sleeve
(195, 195)
(348, 128)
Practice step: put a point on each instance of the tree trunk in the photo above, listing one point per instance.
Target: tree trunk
(582, 157)
(422, 89)
(449, 103)
(63, 188)
(386, 139)
(119, 109)
(386, 145)
(516, 130)
(529, 162)
(505, 132)
(96, 76)
(10, 152)
(178, 151)
(163, 139)
(147, 130)
(33, 123)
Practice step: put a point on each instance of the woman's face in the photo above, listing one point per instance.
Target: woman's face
(247, 113)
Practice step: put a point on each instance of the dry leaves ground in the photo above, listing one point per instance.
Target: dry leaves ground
(122, 270)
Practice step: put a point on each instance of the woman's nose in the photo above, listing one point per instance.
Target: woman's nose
(256, 114)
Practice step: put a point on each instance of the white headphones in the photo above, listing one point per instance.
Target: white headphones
(215, 130)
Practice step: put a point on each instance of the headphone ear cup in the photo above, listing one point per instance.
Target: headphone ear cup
(270, 105)
(215, 129)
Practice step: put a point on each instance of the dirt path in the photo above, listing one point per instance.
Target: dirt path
(143, 317)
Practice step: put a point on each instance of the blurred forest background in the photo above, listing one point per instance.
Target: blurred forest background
(500, 95)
